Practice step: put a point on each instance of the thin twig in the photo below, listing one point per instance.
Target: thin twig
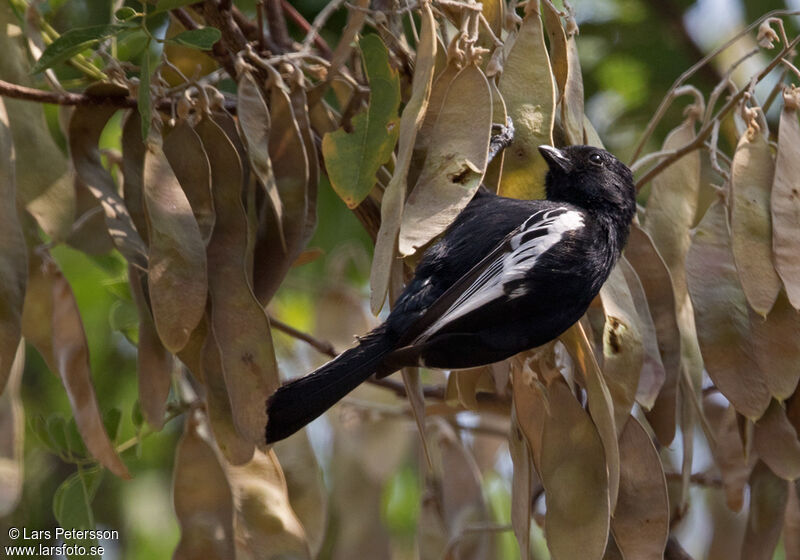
(490, 528)
(325, 347)
(705, 60)
(15, 91)
(700, 479)
(321, 346)
(726, 83)
(25, 93)
(707, 128)
(277, 23)
(319, 22)
(312, 35)
(673, 94)
(184, 18)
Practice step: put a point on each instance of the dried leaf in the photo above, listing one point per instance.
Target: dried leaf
(575, 479)
(46, 191)
(572, 103)
(12, 436)
(276, 250)
(85, 127)
(728, 451)
(71, 353)
(521, 486)
(202, 498)
(133, 152)
(721, 315)
(652, 374)
(352, 159)
(623, 353)
(671, 210)
(308, 495)
(89, 233)
(235, 449)
(727, 528)
(465, 385)
(776, 345)
(776, 442)
(752, 171)
(13, 255)
(266, 526)
(641, 519)
(299, 100)
(494, 171)
(416, 398)
(592, 138)
(37, 310)
(254, 120)
(494, 12)
(791, 524)
(438, 91)
(455, 486)
(530, 408)
(455, 163)
(239, 323)
(189, 162)
(655, 278)
(395, 193)
(176, 277)
(154, 362)
(528, 89)
(601, 406)
(768, 496)
(366, 454)
(192, 354)
(558, 47)
(785, 198)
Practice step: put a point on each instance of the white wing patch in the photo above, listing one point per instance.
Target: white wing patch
(536, 235)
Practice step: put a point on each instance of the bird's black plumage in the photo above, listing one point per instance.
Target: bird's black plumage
(506, 276)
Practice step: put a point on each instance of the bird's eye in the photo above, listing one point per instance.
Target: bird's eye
(596, 159)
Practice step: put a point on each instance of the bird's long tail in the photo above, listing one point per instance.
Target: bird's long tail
(298, 402)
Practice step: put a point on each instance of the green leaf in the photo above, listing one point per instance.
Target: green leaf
(126, 13)
(74, 41)
(143, 97)
(111, 420)
(72, 503)
(39, 427)
(74, 439)
(166, 5)
(136, 415)
(202, 39)
(353, 159)
(124, 318)
(56, 432)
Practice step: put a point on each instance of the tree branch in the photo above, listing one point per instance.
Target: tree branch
(321, 346)
(311, 32)
(705, 132)
(277, 23)
(325, 347)
(15, 91)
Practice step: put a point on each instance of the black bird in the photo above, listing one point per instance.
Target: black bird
(506, 276)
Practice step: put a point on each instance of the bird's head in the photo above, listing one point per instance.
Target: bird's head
(590, 178)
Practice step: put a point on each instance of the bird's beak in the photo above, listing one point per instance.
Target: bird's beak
(555, 158)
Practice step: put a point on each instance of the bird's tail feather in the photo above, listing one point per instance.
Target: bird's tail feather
(298, 402)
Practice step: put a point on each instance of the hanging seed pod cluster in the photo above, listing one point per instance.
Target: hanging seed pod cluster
(229, 129)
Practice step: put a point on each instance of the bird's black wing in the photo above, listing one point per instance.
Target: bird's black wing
(494, 276)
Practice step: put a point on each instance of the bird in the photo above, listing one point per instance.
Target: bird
(506, 276)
